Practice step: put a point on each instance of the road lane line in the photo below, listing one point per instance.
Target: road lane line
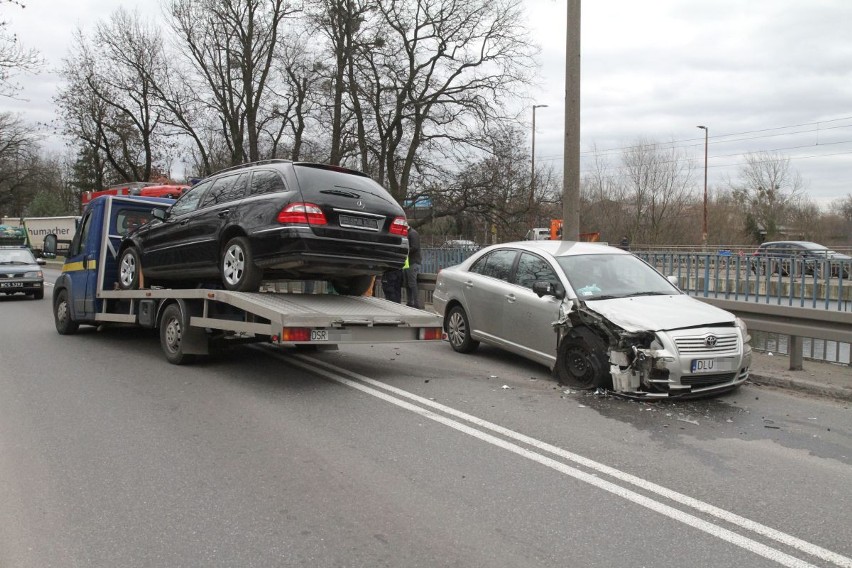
(742, 522)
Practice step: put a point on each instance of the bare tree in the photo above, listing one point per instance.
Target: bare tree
(18, 159)
(231, 44)
(767, 187)
(14, 57)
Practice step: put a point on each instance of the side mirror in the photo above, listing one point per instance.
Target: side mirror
(544, 288)
(158, 214)
(49, 246)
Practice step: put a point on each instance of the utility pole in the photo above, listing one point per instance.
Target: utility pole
(571, 162)
(704, 225)
(532, 173)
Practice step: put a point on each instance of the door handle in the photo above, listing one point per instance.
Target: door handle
(224, 213)
(184, 222)
(511, 298)
(468, 284)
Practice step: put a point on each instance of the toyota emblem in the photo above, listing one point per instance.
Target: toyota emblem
(710, 341)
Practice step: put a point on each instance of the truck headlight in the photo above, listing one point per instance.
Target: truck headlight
(34, 274)
(744, 329)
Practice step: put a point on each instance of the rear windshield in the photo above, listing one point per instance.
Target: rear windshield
(316, 177)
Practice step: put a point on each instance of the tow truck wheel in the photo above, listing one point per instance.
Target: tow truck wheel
(171, 335)
(458, 331)
(239, 272)
(128, 269)
(354, 286)
(581, 361)
(62, 315)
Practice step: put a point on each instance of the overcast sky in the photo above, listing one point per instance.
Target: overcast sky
(763, 75)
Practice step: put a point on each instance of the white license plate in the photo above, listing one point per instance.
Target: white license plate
(710, 365)
(11, 284)
(319, 335)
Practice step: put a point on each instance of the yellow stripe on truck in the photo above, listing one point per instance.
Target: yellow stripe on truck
(76, 266)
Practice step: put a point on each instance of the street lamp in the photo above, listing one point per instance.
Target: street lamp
(532, 175)
(704, 225)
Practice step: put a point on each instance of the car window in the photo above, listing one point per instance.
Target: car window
(532, 268)
(127, 220)
(601, 276)
(189, 201)
(79, 241)
(497, 264)
(224, 190)
(266, 181)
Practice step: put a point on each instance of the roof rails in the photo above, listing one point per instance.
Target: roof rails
(258, 163)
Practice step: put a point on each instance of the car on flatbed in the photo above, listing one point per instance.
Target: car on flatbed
(597, 315)
(20, 272)
(274, 219)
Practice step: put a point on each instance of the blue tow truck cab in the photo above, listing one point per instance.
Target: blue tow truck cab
(194, 321)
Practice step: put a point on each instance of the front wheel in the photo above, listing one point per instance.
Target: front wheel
(581, 361)
(458, 331)
(129, 267)
(239, 272)
(171, 335)
(62, 315)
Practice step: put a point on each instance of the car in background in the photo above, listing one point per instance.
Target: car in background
(20, 272)
(595, 314)
(272, 219)
(460, 244)
(793, 258)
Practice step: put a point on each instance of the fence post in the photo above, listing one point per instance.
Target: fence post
(795, 348)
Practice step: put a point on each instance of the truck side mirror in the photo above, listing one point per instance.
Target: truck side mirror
(49, 246)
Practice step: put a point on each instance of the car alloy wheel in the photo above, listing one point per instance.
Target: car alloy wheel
(128, 269)
(239, 272)
(458, 331)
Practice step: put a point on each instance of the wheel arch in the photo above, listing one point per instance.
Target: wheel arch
(229, 233)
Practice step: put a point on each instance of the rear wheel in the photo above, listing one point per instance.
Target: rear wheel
(581, 361)
(171, 335)
(129, 267)
(239, 272)
(458, 331)
(354, 286)
(62, 315)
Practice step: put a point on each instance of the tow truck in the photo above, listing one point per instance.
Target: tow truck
(197, 321)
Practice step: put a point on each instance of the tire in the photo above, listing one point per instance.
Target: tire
(129, 268)
(38, 294)
(458, 331)
(171, 336)
(354, 286)
(237, 267)
(62, 315)
(582, 362)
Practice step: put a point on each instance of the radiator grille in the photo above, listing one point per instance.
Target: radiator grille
(698, 344)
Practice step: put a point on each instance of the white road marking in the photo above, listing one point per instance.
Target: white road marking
(338, 374)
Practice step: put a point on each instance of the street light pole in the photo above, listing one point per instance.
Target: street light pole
(532, 174)
(704, 225)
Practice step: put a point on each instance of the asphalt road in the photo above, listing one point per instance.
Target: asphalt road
(394, 455)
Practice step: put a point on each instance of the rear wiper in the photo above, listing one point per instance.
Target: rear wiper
(341, 193)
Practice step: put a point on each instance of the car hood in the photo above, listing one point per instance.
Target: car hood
(656, 313)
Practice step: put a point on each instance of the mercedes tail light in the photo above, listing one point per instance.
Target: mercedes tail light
(302, 214)
(399, 227)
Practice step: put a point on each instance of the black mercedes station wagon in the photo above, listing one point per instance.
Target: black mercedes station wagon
(270, 220)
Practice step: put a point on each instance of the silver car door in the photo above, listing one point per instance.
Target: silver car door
(527, 318)
(484, 289)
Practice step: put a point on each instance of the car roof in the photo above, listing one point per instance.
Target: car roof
(806, 244)
(561, 248)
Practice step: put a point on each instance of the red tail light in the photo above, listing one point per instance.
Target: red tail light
(302, 214)
(399, 227)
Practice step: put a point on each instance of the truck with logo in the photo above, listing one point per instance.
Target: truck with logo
(194, 322)
(38, 228)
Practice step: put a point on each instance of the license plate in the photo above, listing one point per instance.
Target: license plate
(319, 335)
(359, 222)
(11, 284)
(710, 365)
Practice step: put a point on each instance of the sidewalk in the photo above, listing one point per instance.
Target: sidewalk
(824, 379)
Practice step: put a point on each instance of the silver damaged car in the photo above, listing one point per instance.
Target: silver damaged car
(596, 315)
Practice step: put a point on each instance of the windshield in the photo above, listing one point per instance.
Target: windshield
(607, 276)
(20, 256)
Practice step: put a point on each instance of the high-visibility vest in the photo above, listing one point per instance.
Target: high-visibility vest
(404, 266)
